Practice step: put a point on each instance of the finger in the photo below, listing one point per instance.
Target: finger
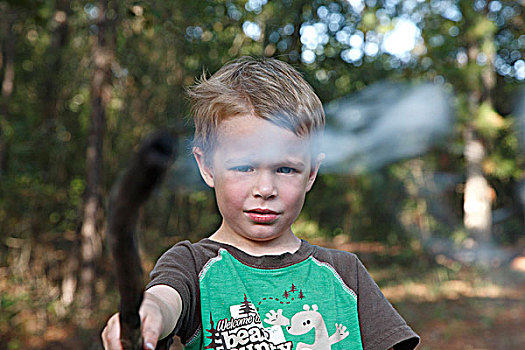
(151, 328)
(111, 334)
(103, 336)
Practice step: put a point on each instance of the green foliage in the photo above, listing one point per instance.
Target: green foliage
(161, 47)
(488, 122)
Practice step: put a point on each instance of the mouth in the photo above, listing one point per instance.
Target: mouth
(262, 216)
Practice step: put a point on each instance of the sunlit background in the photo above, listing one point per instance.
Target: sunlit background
(424, 176)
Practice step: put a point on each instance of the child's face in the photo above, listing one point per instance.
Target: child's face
(261, 173)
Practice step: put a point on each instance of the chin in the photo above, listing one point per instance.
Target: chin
(261, 236)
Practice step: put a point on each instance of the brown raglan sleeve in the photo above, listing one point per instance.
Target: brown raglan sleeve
(179, 268)
(381, 325)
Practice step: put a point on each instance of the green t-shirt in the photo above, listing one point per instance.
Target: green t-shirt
(315, 298)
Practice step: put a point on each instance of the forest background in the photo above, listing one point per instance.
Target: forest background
(440, 225)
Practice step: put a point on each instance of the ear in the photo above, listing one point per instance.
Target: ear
(314, 171)
(205, 170)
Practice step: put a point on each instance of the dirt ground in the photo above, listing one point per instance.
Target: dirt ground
(468, 323)
(453, 306)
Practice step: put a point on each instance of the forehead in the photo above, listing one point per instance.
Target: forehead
(250, 136)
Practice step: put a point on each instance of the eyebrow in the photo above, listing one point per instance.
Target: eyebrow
(279, 163)
(294, 163)
(236, 161)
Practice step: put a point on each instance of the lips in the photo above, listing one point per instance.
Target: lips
(262, 216)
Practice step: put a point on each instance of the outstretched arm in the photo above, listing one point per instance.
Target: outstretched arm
(127, 196)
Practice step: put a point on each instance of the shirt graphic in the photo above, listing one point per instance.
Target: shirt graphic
(305, 306)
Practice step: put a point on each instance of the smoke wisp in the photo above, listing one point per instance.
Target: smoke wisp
(384, 123)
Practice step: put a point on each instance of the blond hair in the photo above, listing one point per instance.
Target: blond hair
(264, 87)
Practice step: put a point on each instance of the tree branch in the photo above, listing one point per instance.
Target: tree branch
(127, 196)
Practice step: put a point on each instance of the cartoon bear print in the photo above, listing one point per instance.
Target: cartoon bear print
(303, 322)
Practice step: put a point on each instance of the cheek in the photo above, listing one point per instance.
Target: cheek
(230, 194)
(293, 196)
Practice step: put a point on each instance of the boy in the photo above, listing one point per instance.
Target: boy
(253, 285)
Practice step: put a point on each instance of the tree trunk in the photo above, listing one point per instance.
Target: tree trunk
(54, 54)
(477, 216)
(91, 246)
(295, 46)
(478, 193)
(68, 286)
(8, 62)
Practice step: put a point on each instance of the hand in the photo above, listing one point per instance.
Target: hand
(151, 321)
(159, 313)
(340, 333)
(111, 334)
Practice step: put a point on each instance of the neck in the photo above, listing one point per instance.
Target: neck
(286, 243)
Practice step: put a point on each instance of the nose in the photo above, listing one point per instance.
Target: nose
(265, 186)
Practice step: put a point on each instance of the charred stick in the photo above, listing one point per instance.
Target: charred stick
(127, 196)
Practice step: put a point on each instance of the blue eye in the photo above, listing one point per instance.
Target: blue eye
(286, 170)
(242, 168)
